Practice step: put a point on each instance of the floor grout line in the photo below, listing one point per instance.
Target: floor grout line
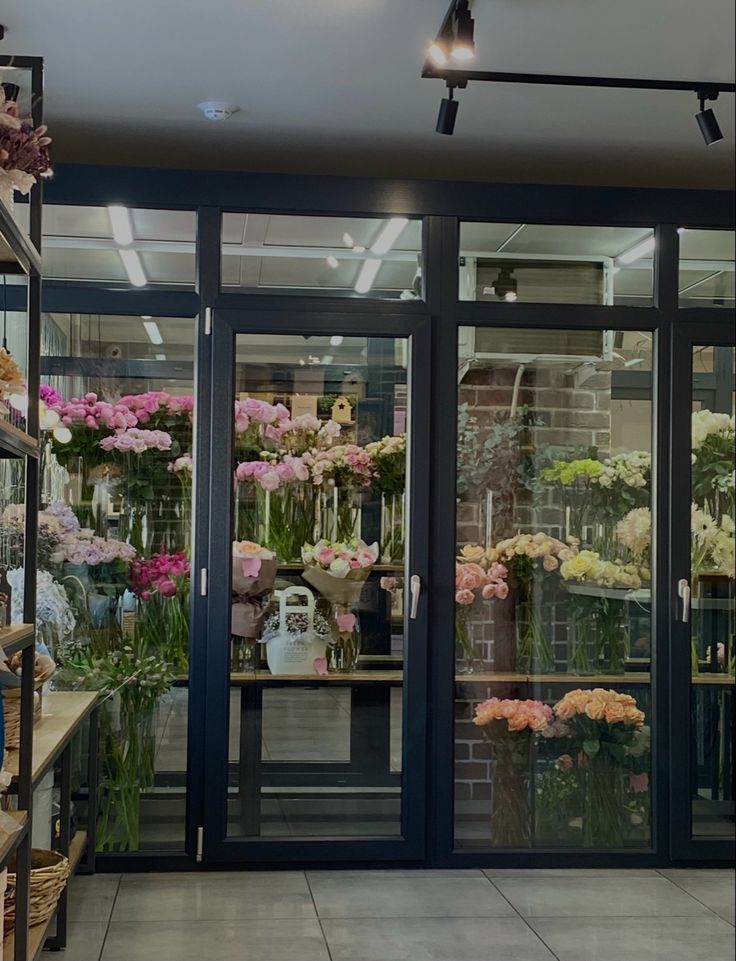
(696, 899)
(519, 915)
(319, 919)
(109, 920)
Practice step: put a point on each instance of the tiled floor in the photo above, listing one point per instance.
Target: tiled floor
(398, 915)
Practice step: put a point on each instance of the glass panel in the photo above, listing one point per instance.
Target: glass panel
(318, 562)
(324, 256)
(120, 246)
(707, 268)
(712, 585)
(556, 264)
(114, 575)
(14, 351)
(12, 541)
(553, 600)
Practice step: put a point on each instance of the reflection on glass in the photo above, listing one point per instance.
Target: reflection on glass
(712, 587)
(553, 598)
(317, 575)
(14, 351)
(327, 256)
(707, 263)
(115, 535)
(550, 264)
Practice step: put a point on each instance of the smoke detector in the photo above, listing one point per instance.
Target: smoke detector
(217, 109)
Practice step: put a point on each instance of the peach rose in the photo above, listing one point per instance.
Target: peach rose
(595, 708)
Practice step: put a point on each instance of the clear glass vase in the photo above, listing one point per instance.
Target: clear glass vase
(340, 512)
(344, 647)
(467, 659)
(534, 653)
(511, 822)
(604, 811)
(290, 520)
(392, 528)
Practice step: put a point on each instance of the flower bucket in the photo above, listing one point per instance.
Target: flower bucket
(290, 652)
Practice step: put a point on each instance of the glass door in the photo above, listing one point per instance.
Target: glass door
(316, 674)
(703, 591)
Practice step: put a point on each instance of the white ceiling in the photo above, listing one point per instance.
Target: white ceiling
(335, 87)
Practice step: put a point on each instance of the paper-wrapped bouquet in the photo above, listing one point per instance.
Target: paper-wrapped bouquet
(254, 571)
(339, 570)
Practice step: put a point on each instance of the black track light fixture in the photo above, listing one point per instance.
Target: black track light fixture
(707, 119)
(448, 113)
(506, 286)
(11, 91)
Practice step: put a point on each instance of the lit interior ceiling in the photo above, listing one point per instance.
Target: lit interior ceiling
(328, 87)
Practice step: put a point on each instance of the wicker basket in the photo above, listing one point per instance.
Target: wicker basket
(11, 714)
(49, 873)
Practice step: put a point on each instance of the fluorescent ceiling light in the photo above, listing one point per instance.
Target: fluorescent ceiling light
(154, 334)
(332, 261)
(122, 230)
(367, 275)
(336, 340)
(347, 239)
(146, 317)
(133, 267)
(638, 251)
(389, 235)
(358, 249)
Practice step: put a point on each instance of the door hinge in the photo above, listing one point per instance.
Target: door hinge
(208, 320)
(203, 582)
(200, 844)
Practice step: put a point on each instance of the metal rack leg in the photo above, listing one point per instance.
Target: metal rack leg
(58, 941)
(93, 774)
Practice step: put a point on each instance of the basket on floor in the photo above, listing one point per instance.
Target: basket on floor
(49, 874)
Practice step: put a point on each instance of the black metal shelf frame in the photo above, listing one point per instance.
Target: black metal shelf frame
(442, 206)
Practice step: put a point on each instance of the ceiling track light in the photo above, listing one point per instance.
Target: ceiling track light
(448, 113)
(455, 43)
(707, 119)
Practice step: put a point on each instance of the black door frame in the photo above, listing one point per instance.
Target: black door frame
(688, 332)
(215, 846)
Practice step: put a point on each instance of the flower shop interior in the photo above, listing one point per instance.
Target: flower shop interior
(360, 533)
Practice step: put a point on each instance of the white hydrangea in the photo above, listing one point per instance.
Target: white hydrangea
(706, 422)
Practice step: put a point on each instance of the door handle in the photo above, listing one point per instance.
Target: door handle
(683, 591)
(415, 585)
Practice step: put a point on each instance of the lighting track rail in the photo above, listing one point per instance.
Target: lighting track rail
(459, 24)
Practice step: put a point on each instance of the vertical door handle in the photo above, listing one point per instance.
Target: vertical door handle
(415, 583)
(683, 591)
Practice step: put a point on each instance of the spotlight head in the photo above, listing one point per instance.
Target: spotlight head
(447, 115)
(11, 90)
(463, 47)
(506, 286)
(707, 119)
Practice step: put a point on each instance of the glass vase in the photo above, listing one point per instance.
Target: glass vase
(344, 647)
(392, 528)
(510, 798)
(340, 514)
(613, 635)
(135, 525)
(604, 811)
(290, 518)
(466, 657)
(534, 653)
(582, 635)
(250, 513)
(242, 654)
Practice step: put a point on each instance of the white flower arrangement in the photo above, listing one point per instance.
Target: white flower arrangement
(713, 544)
(634, 531)
(704, 423)
(52, 604)
(631, 468)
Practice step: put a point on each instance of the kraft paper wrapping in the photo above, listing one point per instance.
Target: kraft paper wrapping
(338, 590)
(247, 610)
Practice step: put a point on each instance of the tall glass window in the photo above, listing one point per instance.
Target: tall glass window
(707, 265)
(556, 264)
(324, 256)
(115, 536)
(552, 592)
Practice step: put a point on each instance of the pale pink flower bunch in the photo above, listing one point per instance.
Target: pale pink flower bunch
(272, 475)
(85, 547)
(471, 577)
(182, 465)
(143, 406)
(253, 411)
(137, 440)
(518, 715)
(304, 433)
(95, 413)
(539, 546)
(340, 558)
(344, 465)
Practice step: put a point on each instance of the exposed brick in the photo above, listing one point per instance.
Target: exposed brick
(483, 791)
(462, 791)
(471, 771)
(565, 399)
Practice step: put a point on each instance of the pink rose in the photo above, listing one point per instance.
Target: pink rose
(251, 566)
(564, 763)
(464, 596)
(502, 590)
(345, 622)
(270, 481)
(325, 555)
(489, 591)
(167, 588)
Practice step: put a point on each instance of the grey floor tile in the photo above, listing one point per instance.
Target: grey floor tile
(84, 942)
(416, 873)
(386, 897)
(226, 897)
(637, 939)
(91, 897)
(606, 898)
(715, 891)
(675, 873)
(283, 940)
(621, 873)
(434, 939)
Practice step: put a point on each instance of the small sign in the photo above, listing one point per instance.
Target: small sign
(342, 412)
(304, 404)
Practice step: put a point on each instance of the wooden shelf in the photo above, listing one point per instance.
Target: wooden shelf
(63, 712)
(16, 637)
(9, 842)
(715, 680)
(14, 442)
(355, 677)
(579, 679)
